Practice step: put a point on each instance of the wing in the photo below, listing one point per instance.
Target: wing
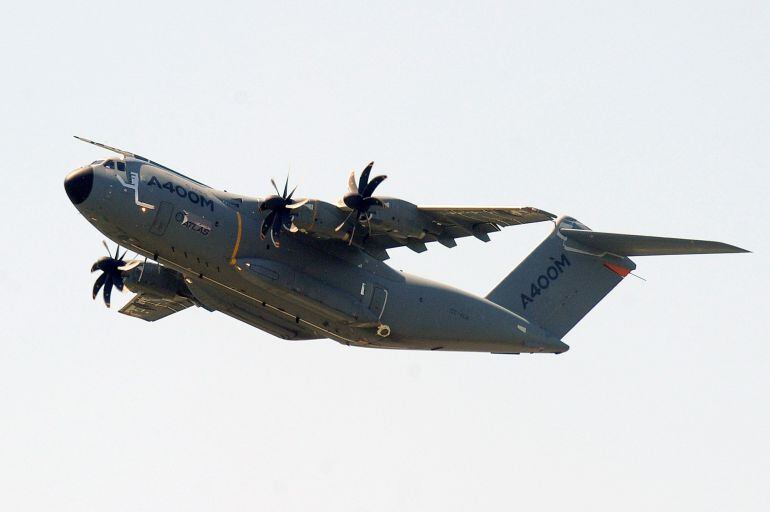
(151, 308)
(451, 222)
(468, 216)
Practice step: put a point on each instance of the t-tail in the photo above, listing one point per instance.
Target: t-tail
(575, 268)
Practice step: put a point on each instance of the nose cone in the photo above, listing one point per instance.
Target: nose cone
(78, 184)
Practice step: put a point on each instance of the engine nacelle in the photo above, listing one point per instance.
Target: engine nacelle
(156, 280)
(399, 218)
(320, 218)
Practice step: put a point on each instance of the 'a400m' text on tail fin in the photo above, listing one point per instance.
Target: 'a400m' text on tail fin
(557, 284)
(575, 268)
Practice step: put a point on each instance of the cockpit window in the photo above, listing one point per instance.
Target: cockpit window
(96, 162)
(109, 164)
(121, 166)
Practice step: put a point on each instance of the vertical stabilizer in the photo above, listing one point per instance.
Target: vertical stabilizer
(575, 268)
(560, 281)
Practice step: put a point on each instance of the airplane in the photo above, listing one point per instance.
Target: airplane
(303, 269)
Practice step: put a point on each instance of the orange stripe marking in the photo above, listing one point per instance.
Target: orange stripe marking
(237, 238)
(621, 271)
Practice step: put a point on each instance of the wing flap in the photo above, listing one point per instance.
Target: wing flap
(473, 215)
(151, 308)
(448, 223)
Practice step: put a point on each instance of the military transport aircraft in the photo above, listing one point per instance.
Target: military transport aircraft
(305, 269)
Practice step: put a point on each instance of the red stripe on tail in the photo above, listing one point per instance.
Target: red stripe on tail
(621, 271)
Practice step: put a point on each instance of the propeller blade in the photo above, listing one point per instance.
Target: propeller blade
(141, 272)
(369, 190)
(123, 255)
(98, 284)
(130, 265)
(353, 201)
(117, 251)
(280, 216)
(364, 179)
(107, 290)
(118, 282)
(297, 204)
(275, 233)
(109, 253)
(352, 187)
(286, 221)
(352, 233)
(368, 226)
(267, 222)
(342, 224)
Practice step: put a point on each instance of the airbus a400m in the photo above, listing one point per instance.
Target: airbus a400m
(304, 269)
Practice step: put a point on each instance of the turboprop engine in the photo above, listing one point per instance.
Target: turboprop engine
(358, 213)
(319, 218)
(397, 218)
(152, 279)
(138, 276)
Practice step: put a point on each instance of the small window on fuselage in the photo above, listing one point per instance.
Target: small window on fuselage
(109, 164)
(121, 166)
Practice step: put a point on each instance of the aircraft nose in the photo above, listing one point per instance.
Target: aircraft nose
(78, 184)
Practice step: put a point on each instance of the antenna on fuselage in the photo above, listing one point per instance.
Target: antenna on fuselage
(122, 152)
(138, 157)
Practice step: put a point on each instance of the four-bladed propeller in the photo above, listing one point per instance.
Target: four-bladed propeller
(359, 198)
(111, 267)
(280, 216)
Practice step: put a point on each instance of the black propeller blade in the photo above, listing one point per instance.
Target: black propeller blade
(110, 277)
(280, 216)
(359, 197)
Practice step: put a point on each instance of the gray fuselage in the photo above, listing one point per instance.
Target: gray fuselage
(307, 289)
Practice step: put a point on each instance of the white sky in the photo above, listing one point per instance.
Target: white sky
(642, 117)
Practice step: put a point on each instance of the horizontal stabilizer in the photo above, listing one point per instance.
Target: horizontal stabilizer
(636, 245)
(575, 268)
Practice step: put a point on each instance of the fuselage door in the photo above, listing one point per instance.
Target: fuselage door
(162, 218)
(379, 301)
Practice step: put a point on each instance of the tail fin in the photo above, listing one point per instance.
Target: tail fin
(575, 268)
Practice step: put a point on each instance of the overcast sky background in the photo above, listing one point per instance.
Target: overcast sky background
(642, 117)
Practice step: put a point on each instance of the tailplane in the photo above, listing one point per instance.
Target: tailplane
(575, 268)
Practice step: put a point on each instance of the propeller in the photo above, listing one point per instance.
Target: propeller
(111, 267)
(359, 197)
(280, 206)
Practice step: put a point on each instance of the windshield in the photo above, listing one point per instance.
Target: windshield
(115, 164)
